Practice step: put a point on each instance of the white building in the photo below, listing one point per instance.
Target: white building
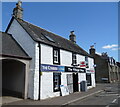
(55, 64)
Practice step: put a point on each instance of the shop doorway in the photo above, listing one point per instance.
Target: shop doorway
(13, 78)
(75, 82)
(70, 82)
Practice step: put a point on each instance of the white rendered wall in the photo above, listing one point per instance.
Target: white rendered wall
(47, 86)
(65, 58)
(93, 79)
(29, 45)
(90, 63)
(46, 54)
(64, 78)
(91, 67)
(80, 58)
(36, 73)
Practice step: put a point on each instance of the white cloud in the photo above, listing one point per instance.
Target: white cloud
(110, 46)
(114, 49)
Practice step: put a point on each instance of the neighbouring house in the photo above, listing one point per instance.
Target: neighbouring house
(15, 67)
(58, 66)
(106, 67)
(118, 64)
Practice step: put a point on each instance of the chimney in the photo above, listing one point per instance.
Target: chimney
(92, 50)
(18, 11)
(72, 37)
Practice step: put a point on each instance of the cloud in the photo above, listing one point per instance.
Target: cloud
(114, 49)
(113, 46)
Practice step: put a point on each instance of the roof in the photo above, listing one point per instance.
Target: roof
(41, 35)
(11, 48)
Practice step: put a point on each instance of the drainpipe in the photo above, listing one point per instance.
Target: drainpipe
(39, 69)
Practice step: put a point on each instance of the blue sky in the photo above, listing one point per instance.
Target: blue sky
(93, 22)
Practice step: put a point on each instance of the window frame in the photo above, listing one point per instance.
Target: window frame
(56, 56)
(74, 58)
(86, 61)
(58, 81)
(89, 79)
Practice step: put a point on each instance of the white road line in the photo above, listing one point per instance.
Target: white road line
(114, 100)
(82, 97)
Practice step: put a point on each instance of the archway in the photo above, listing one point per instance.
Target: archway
(13, 78)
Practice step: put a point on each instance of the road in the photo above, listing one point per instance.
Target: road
(103, 94)
(108, 97)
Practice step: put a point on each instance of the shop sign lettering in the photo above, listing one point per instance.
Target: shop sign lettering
(74, 69)
(45, 67)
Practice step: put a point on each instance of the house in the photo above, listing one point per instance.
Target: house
(118, 64)
(15, 67)
(106, 67)
(58, 65)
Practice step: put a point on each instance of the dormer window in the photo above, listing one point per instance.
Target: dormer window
(56, 56)
(74, 59)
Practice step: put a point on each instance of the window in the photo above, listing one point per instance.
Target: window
(74, 59)
(48, 37)
(56, 56)
(56, 81)
(86, 60)
(88, 78)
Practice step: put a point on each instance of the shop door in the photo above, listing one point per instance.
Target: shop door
(75, 82)
(70, 82)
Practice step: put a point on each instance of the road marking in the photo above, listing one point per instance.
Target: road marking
(108, 95)
(81, 98)
(114, 100)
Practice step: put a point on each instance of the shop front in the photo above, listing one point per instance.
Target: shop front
(78, 75)
(60, 80)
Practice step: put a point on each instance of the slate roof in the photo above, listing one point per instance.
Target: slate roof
(38, 34)
(11, 48)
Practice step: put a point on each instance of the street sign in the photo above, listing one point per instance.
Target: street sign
(83, 64)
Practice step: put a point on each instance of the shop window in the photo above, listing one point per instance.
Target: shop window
(74, 59)
(88, 78)
(56, 81)
(86, 60)
(56, 56)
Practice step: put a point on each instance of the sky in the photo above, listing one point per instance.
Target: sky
(94, 23)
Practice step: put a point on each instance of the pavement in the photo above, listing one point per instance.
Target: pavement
(63, 100)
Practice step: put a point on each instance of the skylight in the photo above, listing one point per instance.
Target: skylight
(48, 38)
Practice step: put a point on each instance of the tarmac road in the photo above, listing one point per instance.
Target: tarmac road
(102, 94)
(108, 97)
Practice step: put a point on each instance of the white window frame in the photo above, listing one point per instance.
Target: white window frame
(74, 59)
(56, 55)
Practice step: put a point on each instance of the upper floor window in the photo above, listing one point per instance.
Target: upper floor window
(86, 60)
(56, 56)
(74, 59)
